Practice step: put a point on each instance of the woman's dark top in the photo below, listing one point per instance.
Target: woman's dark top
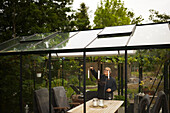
(104, 84)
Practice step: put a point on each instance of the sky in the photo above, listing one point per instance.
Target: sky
(139, 7)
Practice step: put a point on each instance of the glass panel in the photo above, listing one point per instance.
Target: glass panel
(53, 41)
(21, 46)
(9, 43)
(36, 37)
(109, 42)
(150, 35)
(81, 40)
(118, 29)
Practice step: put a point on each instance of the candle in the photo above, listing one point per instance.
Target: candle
(38, 74)
(88, 74)
(98, 74)
(108, 75)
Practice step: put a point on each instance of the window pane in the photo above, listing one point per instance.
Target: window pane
(53, 41)
(150, 35)
(9, 43)
(80, 40)
(124, 30)
(109, 42)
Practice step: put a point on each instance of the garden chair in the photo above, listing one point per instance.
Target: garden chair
(144, 103)
(75, 89)
(61, 99)
(161, 102)
(89, 94)
(42, 101)
(80, 89)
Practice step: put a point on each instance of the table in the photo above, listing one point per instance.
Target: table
(112, 106)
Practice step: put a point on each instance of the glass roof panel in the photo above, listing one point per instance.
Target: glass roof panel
(150, 34)
(9, 43)
(20, 46)
(80, 40)
(119, 30)
(36, 37)
(109, 42)
(53, 41)
(153, 34)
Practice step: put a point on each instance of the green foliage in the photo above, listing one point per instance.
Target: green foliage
(111, 13)
(73, 80)
(25, 17)
(10, 81)
(157, 17)
(135, 20)
(81, 18)
(152, 59)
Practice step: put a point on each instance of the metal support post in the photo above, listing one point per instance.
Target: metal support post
(122, 79)
(118, 79)
(20, 99)
(62, 72)
(84, 83)
(125, 81)
(49, 63)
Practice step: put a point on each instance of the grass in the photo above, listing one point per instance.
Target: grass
(92, 89)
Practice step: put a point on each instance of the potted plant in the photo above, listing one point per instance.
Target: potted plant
(148, 90)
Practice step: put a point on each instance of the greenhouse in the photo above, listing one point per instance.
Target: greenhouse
(85, 49)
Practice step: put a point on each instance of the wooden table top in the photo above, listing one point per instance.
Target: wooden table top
(112, 106)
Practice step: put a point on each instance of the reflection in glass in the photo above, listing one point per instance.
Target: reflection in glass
(23, 43)
(9, 43)
(80, 40)
(21, 46)
(36, 37)
(150, 35)
(53, 41)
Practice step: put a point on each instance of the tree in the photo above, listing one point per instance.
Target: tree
(113, 13)
(81, 18)
(135, 20)
(157, 17)
(26, 17)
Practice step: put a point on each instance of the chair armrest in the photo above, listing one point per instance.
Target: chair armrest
(74, 103)
(59, 108)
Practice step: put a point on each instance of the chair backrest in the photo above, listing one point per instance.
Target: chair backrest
(60, 96)
(144, 104)
(80, 89)
(42, 100)
(75, 89)
(161, 102)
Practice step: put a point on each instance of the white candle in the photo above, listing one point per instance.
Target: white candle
(98, 74)
(108, 75)
(38, 74)
(88, 74)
